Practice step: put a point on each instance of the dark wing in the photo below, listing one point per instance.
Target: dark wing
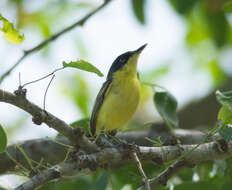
(97, 105)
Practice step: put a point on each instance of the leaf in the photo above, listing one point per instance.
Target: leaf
(166, 105)
(225, 115)
(83, 123)
(218, 27)
(83, 65)
(225, 98)
(3, 139)
(10, 33)
(217, 72)
(139, 10)
(226, 132)
(102, 182)
(227, 6)
(183, 6)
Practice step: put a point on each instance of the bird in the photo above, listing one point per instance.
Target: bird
(119, 95)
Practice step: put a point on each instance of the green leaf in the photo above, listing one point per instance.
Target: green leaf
(227, 6)
(218, 27)
(166, 105)
(10, 33)
(225, 115)
(83, 65)
(225, 98)
(102, 182)
(139, 10)
(183, 6)
(226, 132)
(217, 72)
(3, 140)
(83, 123)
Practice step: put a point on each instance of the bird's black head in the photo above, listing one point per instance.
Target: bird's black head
(121, 60)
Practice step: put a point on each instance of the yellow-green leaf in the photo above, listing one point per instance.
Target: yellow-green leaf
(10, 33)
(83, 65)
(225, 98)
(225, 115)
(3, 139)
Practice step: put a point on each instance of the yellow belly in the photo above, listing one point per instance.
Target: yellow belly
(120, 104)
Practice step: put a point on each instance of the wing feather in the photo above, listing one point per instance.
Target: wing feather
(97, 105)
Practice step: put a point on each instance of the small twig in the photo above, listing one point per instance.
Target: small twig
(52, 38)
(146, 181)
(28, 160)
(25, 170)
(163, 177)
(210, 134)
(53, 72)
(47, 91)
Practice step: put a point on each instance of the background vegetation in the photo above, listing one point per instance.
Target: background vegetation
(188, 52)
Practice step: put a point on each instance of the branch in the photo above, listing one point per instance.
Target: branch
(53, 151)
(113, 156)
(76, 136)
(137, 161)
(158, 130)
(50, 151)
(52, 38)
(163, 177)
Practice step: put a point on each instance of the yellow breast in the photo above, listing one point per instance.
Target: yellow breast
(121, 101)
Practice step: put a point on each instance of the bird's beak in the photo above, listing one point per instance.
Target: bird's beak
(139, 50)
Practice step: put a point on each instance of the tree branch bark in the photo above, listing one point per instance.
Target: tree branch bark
(205, 152)
(76, 136)
(53, 151)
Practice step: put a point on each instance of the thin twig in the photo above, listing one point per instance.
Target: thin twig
(43, 77)
(52, 38)
(163, 177)
(146, 181)
(47, 91)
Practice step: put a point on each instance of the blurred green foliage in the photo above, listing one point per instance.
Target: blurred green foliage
(10, 33)
(82, 123)
(139, 10)
(183, 6)
(3, 139)
(208, 35)
(78, 90)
